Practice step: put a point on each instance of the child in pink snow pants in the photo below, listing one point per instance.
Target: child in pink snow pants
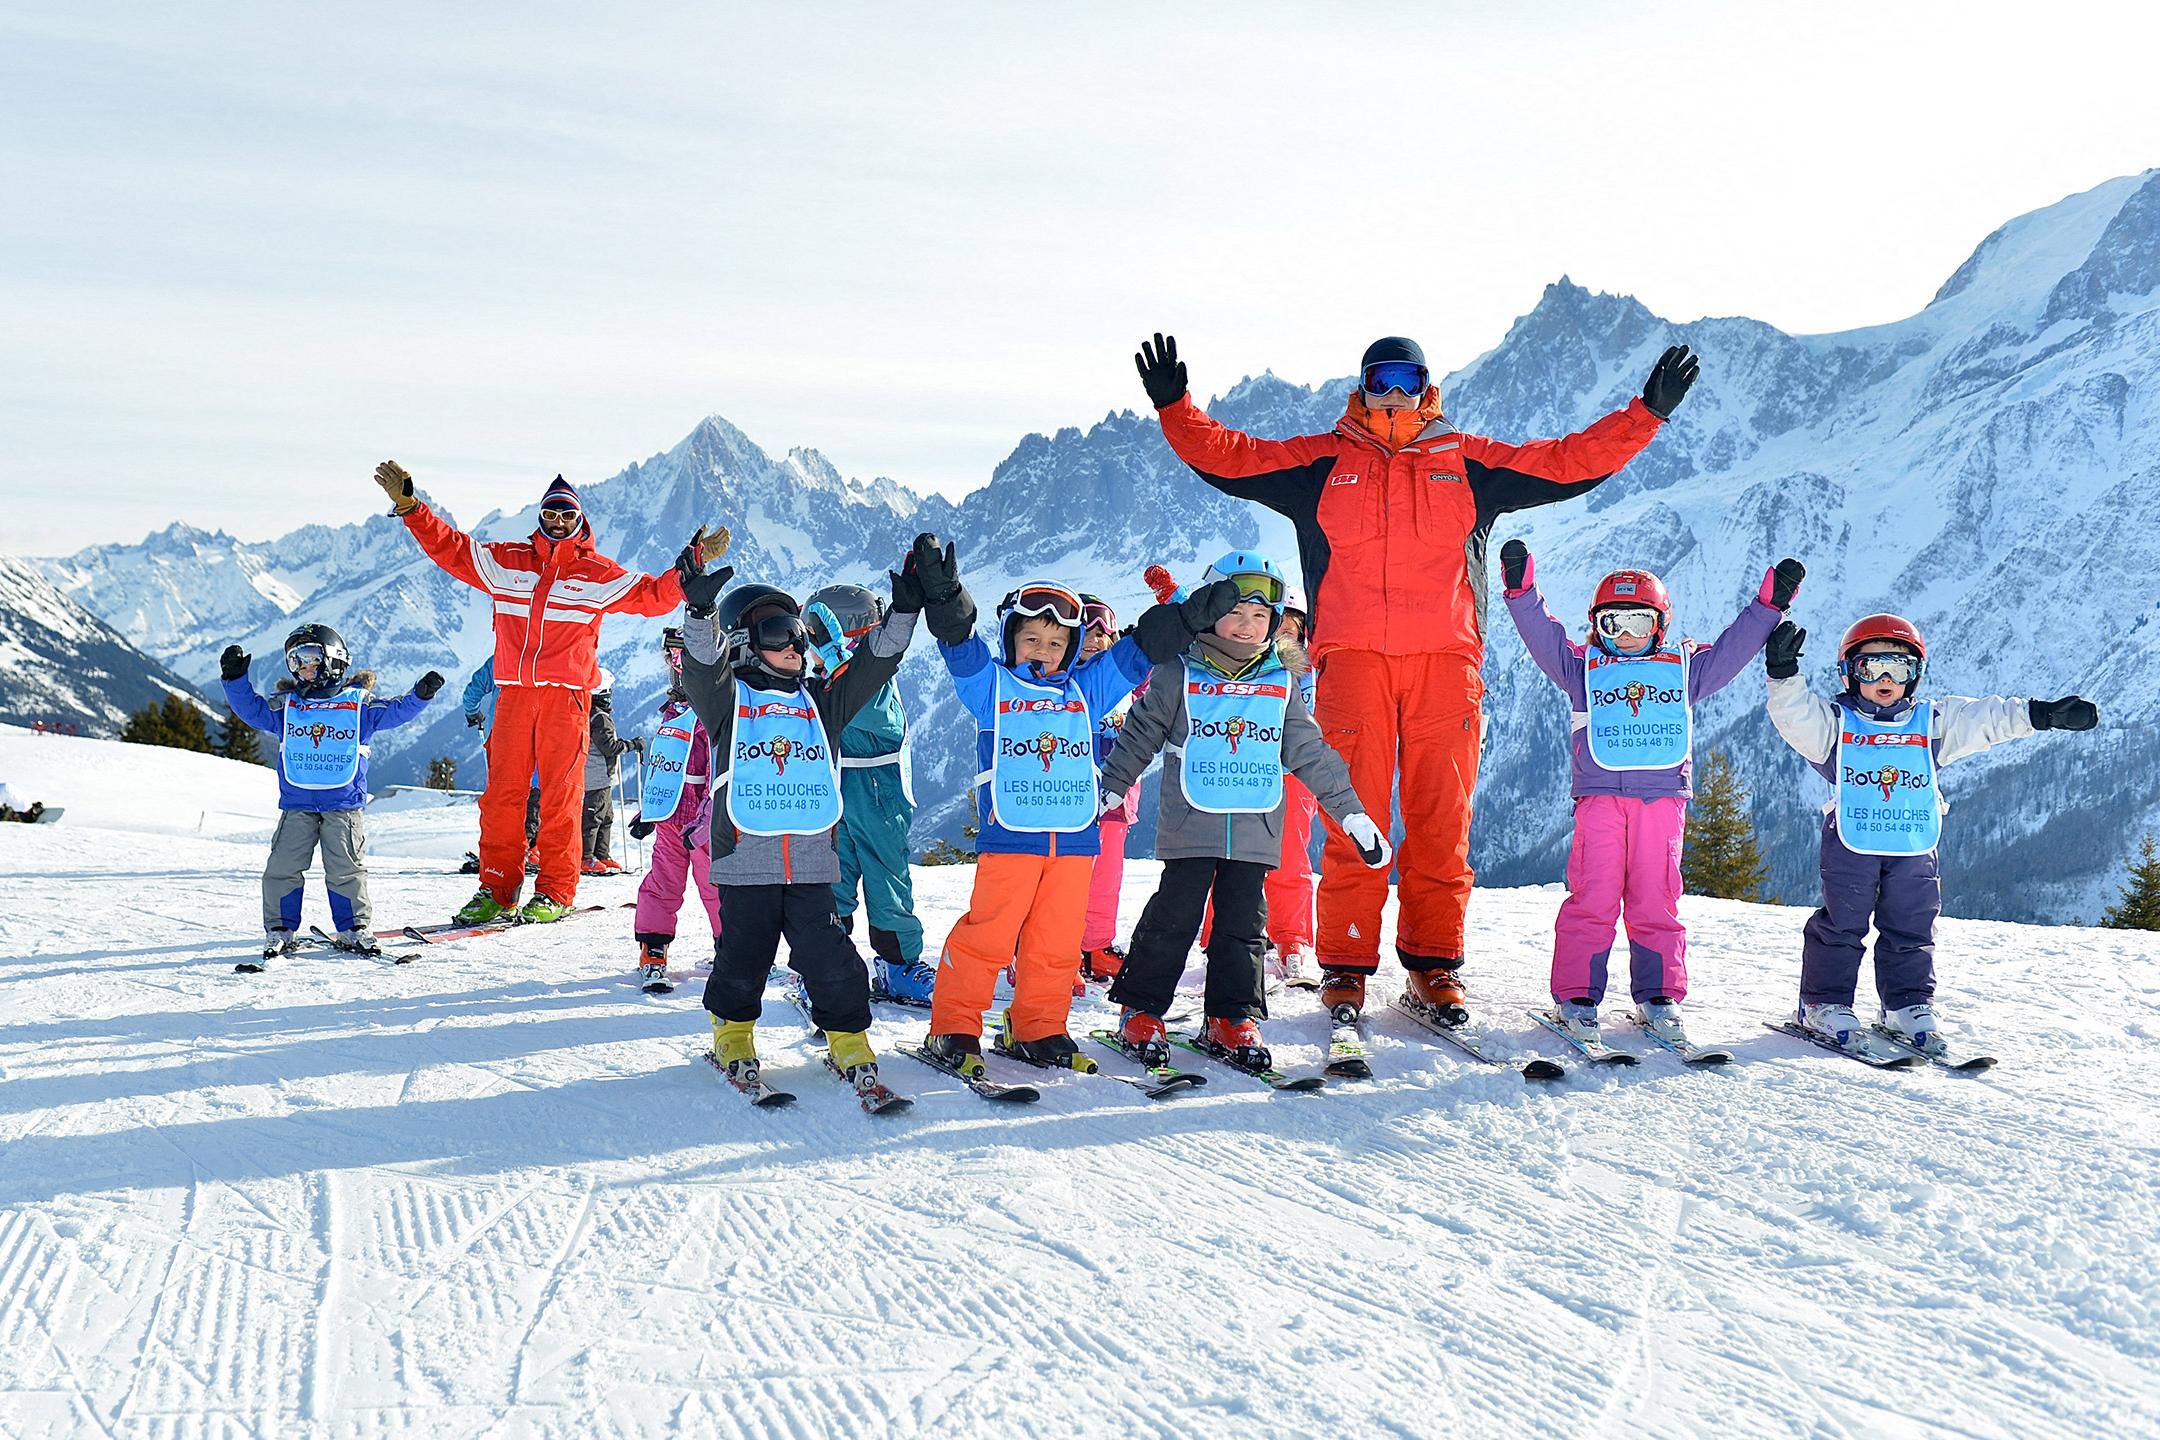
(1632, 695)
(680, 839)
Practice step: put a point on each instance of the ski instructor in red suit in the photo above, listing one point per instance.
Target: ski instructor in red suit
(1392, 509)
(548, 593)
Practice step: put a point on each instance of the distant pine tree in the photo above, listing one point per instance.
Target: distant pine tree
(2139, 908)
(1721, 856)
(442, 773)
(237, 740)
(172, 722)
(945, 852)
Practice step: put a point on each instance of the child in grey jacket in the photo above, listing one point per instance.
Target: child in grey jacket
(775, 798)
(1229, 717)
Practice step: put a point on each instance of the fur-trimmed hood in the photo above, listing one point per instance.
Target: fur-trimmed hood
(287, 687)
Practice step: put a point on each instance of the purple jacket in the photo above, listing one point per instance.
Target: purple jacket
(1710, 668)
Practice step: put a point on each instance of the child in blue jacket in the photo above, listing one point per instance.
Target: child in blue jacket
(324, 722)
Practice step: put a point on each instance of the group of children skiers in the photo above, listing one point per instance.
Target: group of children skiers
(776, 776)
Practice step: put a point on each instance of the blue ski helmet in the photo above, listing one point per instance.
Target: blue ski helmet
(1257, 577)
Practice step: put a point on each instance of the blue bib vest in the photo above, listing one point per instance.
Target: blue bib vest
(1042, 773)
(320, 749)
(667, 761)
(781, 775)
(1887, 802)
(1231, 761)
(1639, 718)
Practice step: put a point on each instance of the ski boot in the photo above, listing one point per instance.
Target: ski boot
(1661, 1017)
(277, 944)
(470, 865)
(1835, 1023)
(1237, 1041)
(532, 859)
(482, 909)
(1056, 1051)
(542, 910)
(1102, 963)
(357, 942)
(1296, 968)
(652, 965)
(606, 865)
(909, 983)
(1579, 1019)
(848, 1055)
(962, 1052)
(1145, 1037)
(1915, 1025)
(1440, 990)
(1341, 991)
(734, 1053)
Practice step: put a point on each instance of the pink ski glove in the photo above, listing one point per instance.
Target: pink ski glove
(1780, 583)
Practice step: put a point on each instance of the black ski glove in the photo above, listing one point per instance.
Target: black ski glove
(700, 591)
(1669, 380)
(1201, 609)
(1781, 656)
(639, 829)
(1785, 582)
(233, 664)
(637, 743)
(2072, 712)
(475, 719)
(936, 570)
(1514, 564)
(1160, 370)
(426, 686)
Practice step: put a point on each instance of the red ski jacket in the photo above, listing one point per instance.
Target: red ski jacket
(1392, 540)
(549, 596)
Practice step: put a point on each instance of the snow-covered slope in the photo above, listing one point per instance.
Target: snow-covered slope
(60, 663)
(1990, 467)
(493, 1193)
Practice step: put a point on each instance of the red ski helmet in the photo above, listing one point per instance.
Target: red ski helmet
(1881, 627)
(1632, 590)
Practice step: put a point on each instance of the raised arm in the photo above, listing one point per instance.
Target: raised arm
(1713, 666)
(1966, 726)
(249, 706)
(1269, 471)
(1517, 477)
(1542, 633)
(874, 661)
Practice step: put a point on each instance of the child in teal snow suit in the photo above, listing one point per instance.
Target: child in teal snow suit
(877, 804)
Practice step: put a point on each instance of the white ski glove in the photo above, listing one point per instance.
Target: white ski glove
(1371, 841)
(1111, 800)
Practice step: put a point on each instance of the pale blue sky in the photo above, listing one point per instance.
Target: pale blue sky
(246, 250)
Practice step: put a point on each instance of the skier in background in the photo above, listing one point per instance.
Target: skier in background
(603, 749)
(1880, 745)
(670, 805)
(878, 803)
(1392, 509)
(549, 592)
(324, 720)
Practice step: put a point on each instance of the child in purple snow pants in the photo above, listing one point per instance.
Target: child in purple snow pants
(1632, 697)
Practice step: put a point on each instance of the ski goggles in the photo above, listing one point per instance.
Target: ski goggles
(1266, 589)
(1632, 623)
(1867, 669)
(1044, 600)
(1395, 375)
(560, 515)
(780, 632)
(309, 654)
(1098, 617)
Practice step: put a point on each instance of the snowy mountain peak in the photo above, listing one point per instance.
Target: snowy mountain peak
(2021, 266)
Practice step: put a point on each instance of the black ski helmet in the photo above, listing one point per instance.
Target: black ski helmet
(837, 614)
(335, 656)
(1392, 347)
(741, 609)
